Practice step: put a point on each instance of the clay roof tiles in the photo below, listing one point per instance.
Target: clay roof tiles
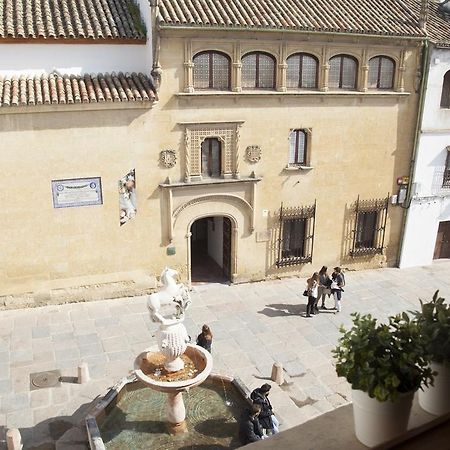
(56, 89)
(71, 19)
(373, 17)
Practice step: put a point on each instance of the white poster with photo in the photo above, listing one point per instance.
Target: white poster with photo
(127, 197)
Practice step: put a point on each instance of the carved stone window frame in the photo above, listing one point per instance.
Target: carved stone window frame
(228, 133)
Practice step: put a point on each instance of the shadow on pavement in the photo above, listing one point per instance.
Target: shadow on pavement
(283, 310)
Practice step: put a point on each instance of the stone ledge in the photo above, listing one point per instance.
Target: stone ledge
(334, 430)
(79, 289)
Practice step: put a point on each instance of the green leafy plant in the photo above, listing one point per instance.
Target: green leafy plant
(382, 360)
(434, 325)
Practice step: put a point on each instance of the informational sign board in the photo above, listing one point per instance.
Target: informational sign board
(77, 192)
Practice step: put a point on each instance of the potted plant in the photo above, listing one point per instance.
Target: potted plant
(385, 364)
(434, 325)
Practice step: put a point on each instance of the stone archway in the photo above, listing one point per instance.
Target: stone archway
(239, 217)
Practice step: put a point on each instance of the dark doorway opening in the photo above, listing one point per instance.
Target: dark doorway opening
(211, 250)
(442, 249)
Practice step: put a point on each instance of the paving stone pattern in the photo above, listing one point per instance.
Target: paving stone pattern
(254, 325)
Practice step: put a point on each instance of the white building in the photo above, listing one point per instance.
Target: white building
(427, 227)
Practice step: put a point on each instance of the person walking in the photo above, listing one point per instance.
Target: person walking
(324, 287)
(267, 419)
(337, 285)
(249, 427)
(204, 339)
(312, 288)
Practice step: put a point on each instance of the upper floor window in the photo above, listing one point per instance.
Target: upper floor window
(211, 158)
(381, 73)
(445, 97)
(297, 147)
(343, 72)
(258, 71)
(302, 70)
(212, 70)
(446, 178)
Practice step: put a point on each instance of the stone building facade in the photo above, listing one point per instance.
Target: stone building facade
(271, 148)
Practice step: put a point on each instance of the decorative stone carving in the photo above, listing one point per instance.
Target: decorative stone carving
(253, 153)
(168, 158)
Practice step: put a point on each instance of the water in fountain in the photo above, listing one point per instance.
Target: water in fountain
(227, 401)
(138, 419)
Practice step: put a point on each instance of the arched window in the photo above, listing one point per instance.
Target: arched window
(343, 71)
(258, 71)
(211, 158)
(445, 97)
(381, 73)
(302, 71)
(212, 70)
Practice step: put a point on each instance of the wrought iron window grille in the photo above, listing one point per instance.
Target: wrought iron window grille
(296, 235)
(369, 227)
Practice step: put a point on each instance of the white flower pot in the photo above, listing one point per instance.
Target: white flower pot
(436, 399)
(377, 422)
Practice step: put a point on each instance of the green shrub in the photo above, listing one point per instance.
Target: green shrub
(383, 360)
(434, 326)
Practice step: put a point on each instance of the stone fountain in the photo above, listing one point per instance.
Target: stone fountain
(173, 366)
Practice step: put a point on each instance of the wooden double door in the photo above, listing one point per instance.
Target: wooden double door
(442, 249)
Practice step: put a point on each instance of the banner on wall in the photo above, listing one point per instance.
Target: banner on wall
(127, 197)
(77, 192)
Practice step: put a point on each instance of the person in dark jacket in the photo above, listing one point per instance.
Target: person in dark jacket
(204, 339)
(266, 417)
(249, 428)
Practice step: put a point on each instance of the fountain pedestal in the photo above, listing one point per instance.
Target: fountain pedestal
(176, 413)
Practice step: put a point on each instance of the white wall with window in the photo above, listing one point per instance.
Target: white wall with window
(430, 205)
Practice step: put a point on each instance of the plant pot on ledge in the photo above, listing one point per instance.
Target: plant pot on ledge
(385, 364)
(434, 326)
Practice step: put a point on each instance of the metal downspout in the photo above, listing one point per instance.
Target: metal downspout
(412, 171)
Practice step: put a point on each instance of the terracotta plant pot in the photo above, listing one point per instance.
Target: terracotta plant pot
(436, 399)
(377, 422)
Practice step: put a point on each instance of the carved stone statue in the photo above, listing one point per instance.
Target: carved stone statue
(172, 336)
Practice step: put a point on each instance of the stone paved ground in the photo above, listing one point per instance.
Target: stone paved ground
(254, 325)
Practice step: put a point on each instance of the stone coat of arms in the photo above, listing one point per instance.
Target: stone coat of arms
(168, 158)
(253, 153)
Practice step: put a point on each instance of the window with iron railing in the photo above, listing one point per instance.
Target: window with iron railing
(369, 226)
(446, 177)
(296, 235)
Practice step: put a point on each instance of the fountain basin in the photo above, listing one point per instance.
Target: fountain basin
(200, 357)
(132, 415)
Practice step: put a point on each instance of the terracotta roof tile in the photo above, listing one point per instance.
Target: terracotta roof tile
(376, 17)
(58, 89)
(71, 19)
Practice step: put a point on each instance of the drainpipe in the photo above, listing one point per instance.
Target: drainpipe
(426, 57)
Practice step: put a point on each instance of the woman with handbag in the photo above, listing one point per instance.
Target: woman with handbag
(312, 288)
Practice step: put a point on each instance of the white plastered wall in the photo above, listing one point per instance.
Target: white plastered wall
(431, 203)
(34, 59)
